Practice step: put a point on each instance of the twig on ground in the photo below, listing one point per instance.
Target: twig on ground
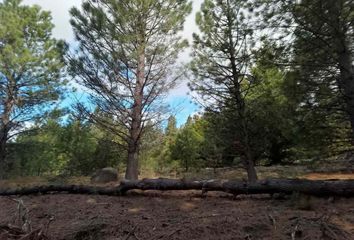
(131, 233)
(51, 219)
(295, 233)
(328, 229)
(172, 233)
(23, 230)
(23, 218)
(332, 231)
(166, 236)
(274, 223)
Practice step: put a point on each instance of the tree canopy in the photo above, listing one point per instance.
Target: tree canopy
(31, 68)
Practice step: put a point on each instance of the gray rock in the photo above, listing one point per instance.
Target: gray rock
(105, 175)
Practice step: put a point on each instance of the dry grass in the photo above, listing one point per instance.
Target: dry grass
(328, 176)
(239, 173)
(23, 182)
(39, 181)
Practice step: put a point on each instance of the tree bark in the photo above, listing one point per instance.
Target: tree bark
(132, 172)
(2, 156)
(251, 170)
(342, 41)
(343, 188)
(4, 134)
(347, 82)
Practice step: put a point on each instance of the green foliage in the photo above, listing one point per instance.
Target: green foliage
(113, 36)
(319, 56)
(171, 129)
(152, 155)
(54, 147)
(273, 112)
(37, 151)
(221, 69)
(31, 70)
(163, 157)
(31, 60)
(186, 148)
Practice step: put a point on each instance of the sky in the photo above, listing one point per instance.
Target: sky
(181, 103)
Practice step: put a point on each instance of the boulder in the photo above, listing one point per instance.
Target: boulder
(105, 175)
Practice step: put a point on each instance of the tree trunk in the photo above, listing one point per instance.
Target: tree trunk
(347, 82)
(342, 43)
(2, 155)
(251, 169)
(4, 135)
(132, 172)
(343, 188)
(240, 107)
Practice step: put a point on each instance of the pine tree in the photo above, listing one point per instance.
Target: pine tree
(321, 37)
(31, 64)
(171, 129)
(186, 148)
(127, 56)
(221, 67)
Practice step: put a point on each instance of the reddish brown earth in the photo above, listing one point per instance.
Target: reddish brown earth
(184, 215)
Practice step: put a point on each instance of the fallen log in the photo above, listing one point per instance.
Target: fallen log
(343, 188)
(71, 189)
(271, 186)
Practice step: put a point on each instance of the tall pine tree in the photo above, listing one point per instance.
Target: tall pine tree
(221, 67)
(126, 58)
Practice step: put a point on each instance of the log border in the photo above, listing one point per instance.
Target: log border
(344, 188)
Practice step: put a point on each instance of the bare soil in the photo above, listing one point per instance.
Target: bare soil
(185, 215)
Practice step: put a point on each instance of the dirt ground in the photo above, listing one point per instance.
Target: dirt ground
(185, 215)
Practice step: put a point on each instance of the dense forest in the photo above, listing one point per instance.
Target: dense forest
(275, 80)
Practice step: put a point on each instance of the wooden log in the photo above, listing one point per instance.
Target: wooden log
(71, 189)
(287, 186)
